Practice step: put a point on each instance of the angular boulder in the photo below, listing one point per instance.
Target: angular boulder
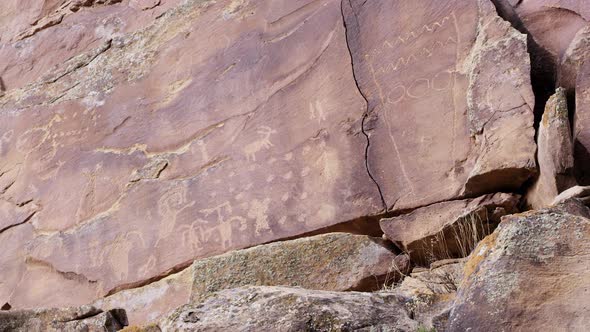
(292, 309)
(530, 274)
(449, 94)
(80, 319)
(334, 262)
(448, 229)
(555, 153)
(558, 31)
(582, 126)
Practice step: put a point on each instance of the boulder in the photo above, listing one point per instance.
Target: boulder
(579, 192)
(531, 274)
(448, 229)
(333, 262)
(582, 126)
(292, 309)
(449, 98)
(152, 302)
(81, 319)
(429, 293)
(555, 153)
(151, 138)
(558, 31)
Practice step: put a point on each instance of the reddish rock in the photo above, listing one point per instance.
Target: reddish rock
(559, 35)
(530, 274)
(579, 192)
(448, 229)
(148, 145)
(582, 126)
(555, 153)
(449, 96)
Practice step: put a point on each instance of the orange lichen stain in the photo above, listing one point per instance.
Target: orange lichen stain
(479, 254)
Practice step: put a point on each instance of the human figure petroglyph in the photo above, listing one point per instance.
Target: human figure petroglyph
(225, 221)
(316, 111)
(170, 205)
(116, 254)
(263, 143)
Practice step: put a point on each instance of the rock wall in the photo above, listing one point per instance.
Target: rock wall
(154, 153)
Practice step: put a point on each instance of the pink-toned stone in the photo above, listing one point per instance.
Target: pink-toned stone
(555, 153)
(448, 229)
(582, 126)
(217, 126)
(449, 96)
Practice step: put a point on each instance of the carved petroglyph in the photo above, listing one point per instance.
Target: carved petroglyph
(263, 143)
(403, 39)
(259, 211)
(422, 87)
(316, 111)
(170, 205)
(423, 53)
(116, 253)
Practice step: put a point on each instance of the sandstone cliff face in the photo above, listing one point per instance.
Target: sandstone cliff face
(160, 153)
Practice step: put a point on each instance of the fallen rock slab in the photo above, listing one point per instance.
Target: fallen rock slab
(555, 153)
(334, 262)
(448, 229)
(291, 309)
(531, 274)
(81, 319)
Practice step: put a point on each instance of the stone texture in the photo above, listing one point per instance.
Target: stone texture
(335, 262)
(582, 126)
(448, 89)
(151, 302)
(555, 154)
(292, 309)
(531, 274)
(82, 319)
(429, 293)
(579, 192)
(150, 138)
(448, 229)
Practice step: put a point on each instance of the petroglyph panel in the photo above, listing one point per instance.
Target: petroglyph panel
(412, 62)
(163, 146)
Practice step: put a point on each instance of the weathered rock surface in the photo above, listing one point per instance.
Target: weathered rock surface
(449, 95)
(151, 139)
(531, 274)
(335, 262)
(429, 293)
(86, 318)
(555, 154)
(578, 192)
(139, 135)
(448, 229)
(559, 35)
(582, 126)
(292, 309)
